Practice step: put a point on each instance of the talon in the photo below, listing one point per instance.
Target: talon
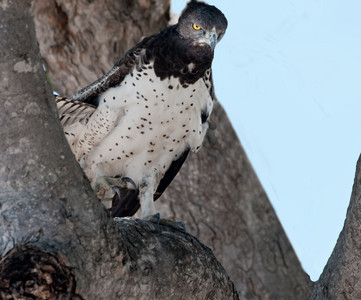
(116, 190)
(130, 180)
(176, 225)
(154, 218)
(181, 225)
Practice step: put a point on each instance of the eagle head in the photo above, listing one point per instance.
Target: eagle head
(202, 23)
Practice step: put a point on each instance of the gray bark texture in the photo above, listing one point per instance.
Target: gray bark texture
(57, 241)
(60, 238)
(341, 277)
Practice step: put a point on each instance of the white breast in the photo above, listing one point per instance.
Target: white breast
(141, 126)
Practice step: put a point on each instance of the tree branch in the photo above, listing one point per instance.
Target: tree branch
(341, 277)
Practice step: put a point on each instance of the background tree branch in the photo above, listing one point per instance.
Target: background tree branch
(341, 277)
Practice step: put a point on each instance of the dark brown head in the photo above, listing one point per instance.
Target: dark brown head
(202, 23)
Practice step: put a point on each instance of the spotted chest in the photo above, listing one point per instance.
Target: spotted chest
(142, 125)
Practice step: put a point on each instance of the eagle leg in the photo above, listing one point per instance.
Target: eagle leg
(146, 192)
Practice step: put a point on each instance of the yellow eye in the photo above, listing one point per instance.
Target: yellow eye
(196, 27)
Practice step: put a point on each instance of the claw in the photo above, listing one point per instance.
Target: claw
(153, 218)
(165, 222)
(108, 183)
(116, 190)
(130, 180)
(176, 225)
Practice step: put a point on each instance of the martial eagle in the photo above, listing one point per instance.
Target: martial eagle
(132, 129)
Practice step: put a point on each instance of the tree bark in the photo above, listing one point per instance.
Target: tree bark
(57, 239)
(81, 40)
(341, 277)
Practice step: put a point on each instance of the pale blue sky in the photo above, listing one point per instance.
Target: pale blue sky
(289, 76)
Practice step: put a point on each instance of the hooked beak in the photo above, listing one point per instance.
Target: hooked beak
(212, 38)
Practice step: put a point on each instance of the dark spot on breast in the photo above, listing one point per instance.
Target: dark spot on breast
(170, 87)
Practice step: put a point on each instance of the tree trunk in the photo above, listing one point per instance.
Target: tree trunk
(57, 240)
